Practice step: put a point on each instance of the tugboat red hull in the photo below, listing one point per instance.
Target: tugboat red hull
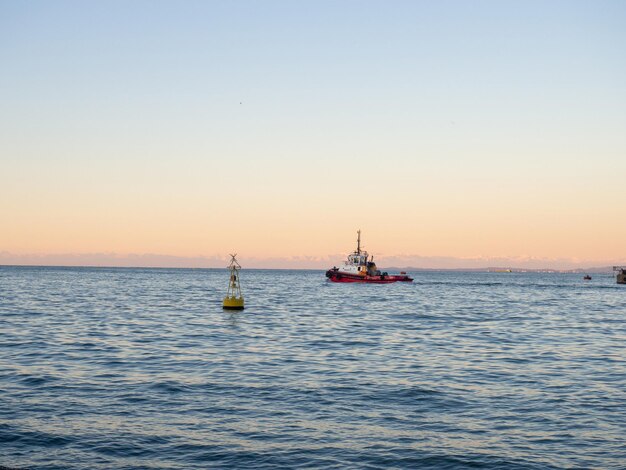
(338, 276)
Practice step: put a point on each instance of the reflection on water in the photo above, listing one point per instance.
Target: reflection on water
(141, 368)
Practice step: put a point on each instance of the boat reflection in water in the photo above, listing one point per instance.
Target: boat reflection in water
(359, 267)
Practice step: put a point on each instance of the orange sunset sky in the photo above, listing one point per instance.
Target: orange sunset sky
(452, 135)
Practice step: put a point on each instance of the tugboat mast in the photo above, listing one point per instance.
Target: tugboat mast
(358, 242)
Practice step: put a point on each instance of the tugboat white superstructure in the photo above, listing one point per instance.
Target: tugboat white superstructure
(359, 267)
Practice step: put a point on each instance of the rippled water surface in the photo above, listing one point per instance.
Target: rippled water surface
(141, 368)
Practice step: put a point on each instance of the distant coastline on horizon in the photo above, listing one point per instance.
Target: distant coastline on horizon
(397, 263)
(592, 270)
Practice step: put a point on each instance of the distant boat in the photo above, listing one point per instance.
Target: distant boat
(587, 277)
(358, 268)
(621, 274)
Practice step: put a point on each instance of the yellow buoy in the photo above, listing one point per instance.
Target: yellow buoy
(233, 299)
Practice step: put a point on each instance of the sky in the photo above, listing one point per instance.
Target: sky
(452, 133)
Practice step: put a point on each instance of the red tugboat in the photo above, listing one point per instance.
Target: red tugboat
(358, 268)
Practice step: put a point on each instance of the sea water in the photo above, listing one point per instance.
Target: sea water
(141, 368)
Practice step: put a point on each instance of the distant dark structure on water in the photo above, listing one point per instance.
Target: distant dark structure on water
(621, 274)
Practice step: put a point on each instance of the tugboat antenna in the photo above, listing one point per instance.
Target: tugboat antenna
(358, 242)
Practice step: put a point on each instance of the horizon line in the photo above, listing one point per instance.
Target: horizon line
(401, 261)
(500, 269)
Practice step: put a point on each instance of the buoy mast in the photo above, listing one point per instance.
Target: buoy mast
(233, 299)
